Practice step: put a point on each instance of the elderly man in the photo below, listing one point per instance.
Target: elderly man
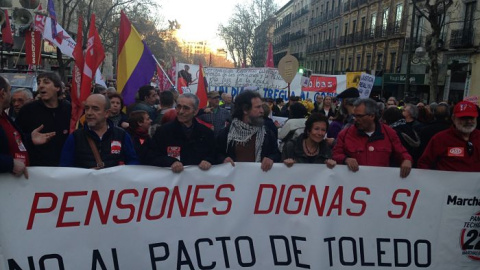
(370, 143)
(410, 113)
(99, 144)
(183, 141)
(52, 113)
(457, 148)
(246, 139)
(20, 97)
(227, 102)
(14, 157)
(214, 114)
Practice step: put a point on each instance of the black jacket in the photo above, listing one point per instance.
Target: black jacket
(34, 114)
(199, 146)
(269, 147)
(294, 149)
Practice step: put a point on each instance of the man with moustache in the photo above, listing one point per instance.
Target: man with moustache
(99, 134)
(246, 139)
(369, 142)
(457, 148)
(50, 112)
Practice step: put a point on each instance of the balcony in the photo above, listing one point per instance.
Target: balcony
(359, 36)
(349, 39)
(354, 4)
(342, 40)
(461, 38)
(346, 6)
(362, 2)
(297, 35)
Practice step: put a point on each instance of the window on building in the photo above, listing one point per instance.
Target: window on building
(362, 29)
(369, 61)
(341, 65)
(321, 66)
(469, 17)
(359, 64)
(385, 22)
(354, 26)
(379, 62)
(326, 66)
(398, 18)
(346, 29)
(349, 67)
(393, 60)
(373, 24)
(333, 66)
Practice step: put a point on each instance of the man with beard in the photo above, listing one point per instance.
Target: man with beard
(370, 143)
(99, 144)
(246, 139)
(457, 148)
(20, 97)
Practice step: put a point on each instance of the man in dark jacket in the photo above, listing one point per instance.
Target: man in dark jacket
(183, 141)
(247, 139)
(14, 157)
(113, 144)
(50, 112)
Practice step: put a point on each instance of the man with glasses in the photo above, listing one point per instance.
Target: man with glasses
(183, 141)
(370, 143)
(214, 114)
(456, 148)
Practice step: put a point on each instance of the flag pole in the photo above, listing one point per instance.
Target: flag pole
(166, 75)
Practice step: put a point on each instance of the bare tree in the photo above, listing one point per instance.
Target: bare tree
(434, 12)
(238, 34)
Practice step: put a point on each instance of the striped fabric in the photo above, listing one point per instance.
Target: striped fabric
(136, 64)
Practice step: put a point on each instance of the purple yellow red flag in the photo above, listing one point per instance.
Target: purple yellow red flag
(136, 65)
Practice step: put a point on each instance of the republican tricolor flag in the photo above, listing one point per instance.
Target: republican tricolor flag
(136, 64)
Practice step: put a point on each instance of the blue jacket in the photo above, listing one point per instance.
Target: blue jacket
(74, 150)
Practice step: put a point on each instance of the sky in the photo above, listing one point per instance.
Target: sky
(199, 19)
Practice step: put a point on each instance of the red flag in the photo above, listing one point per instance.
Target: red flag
(173, 70)
(201, 89)
(39, 20)
(163, 83)
(7, 35)
(76, 93)
(32, 47)
(181, 84)
(269, 62)
(94, 56)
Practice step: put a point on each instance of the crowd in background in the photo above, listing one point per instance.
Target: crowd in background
(169, 130)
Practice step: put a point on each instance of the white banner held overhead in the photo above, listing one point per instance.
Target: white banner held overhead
(365, 85)
(305, 217)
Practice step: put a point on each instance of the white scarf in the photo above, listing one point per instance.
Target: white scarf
(241, 133)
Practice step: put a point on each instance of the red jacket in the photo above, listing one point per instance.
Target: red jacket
(377, 150)
(447, 151)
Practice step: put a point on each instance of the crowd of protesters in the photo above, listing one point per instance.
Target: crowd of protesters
(169, 130)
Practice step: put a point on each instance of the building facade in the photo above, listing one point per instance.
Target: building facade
(374, 36)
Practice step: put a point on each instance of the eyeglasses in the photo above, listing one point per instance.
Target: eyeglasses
(185, 108)
(470, 148)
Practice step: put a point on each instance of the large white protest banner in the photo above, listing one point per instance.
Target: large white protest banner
(267, 81)
(305, 217)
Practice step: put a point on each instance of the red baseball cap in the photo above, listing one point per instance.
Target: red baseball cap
(465, 109)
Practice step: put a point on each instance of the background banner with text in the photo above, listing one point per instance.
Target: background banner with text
(305, 217)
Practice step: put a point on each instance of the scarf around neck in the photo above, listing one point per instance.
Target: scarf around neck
(241, 133)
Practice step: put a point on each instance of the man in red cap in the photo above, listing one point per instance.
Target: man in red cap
(457, 148)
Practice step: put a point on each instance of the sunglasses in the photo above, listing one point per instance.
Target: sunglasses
(470, 148)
